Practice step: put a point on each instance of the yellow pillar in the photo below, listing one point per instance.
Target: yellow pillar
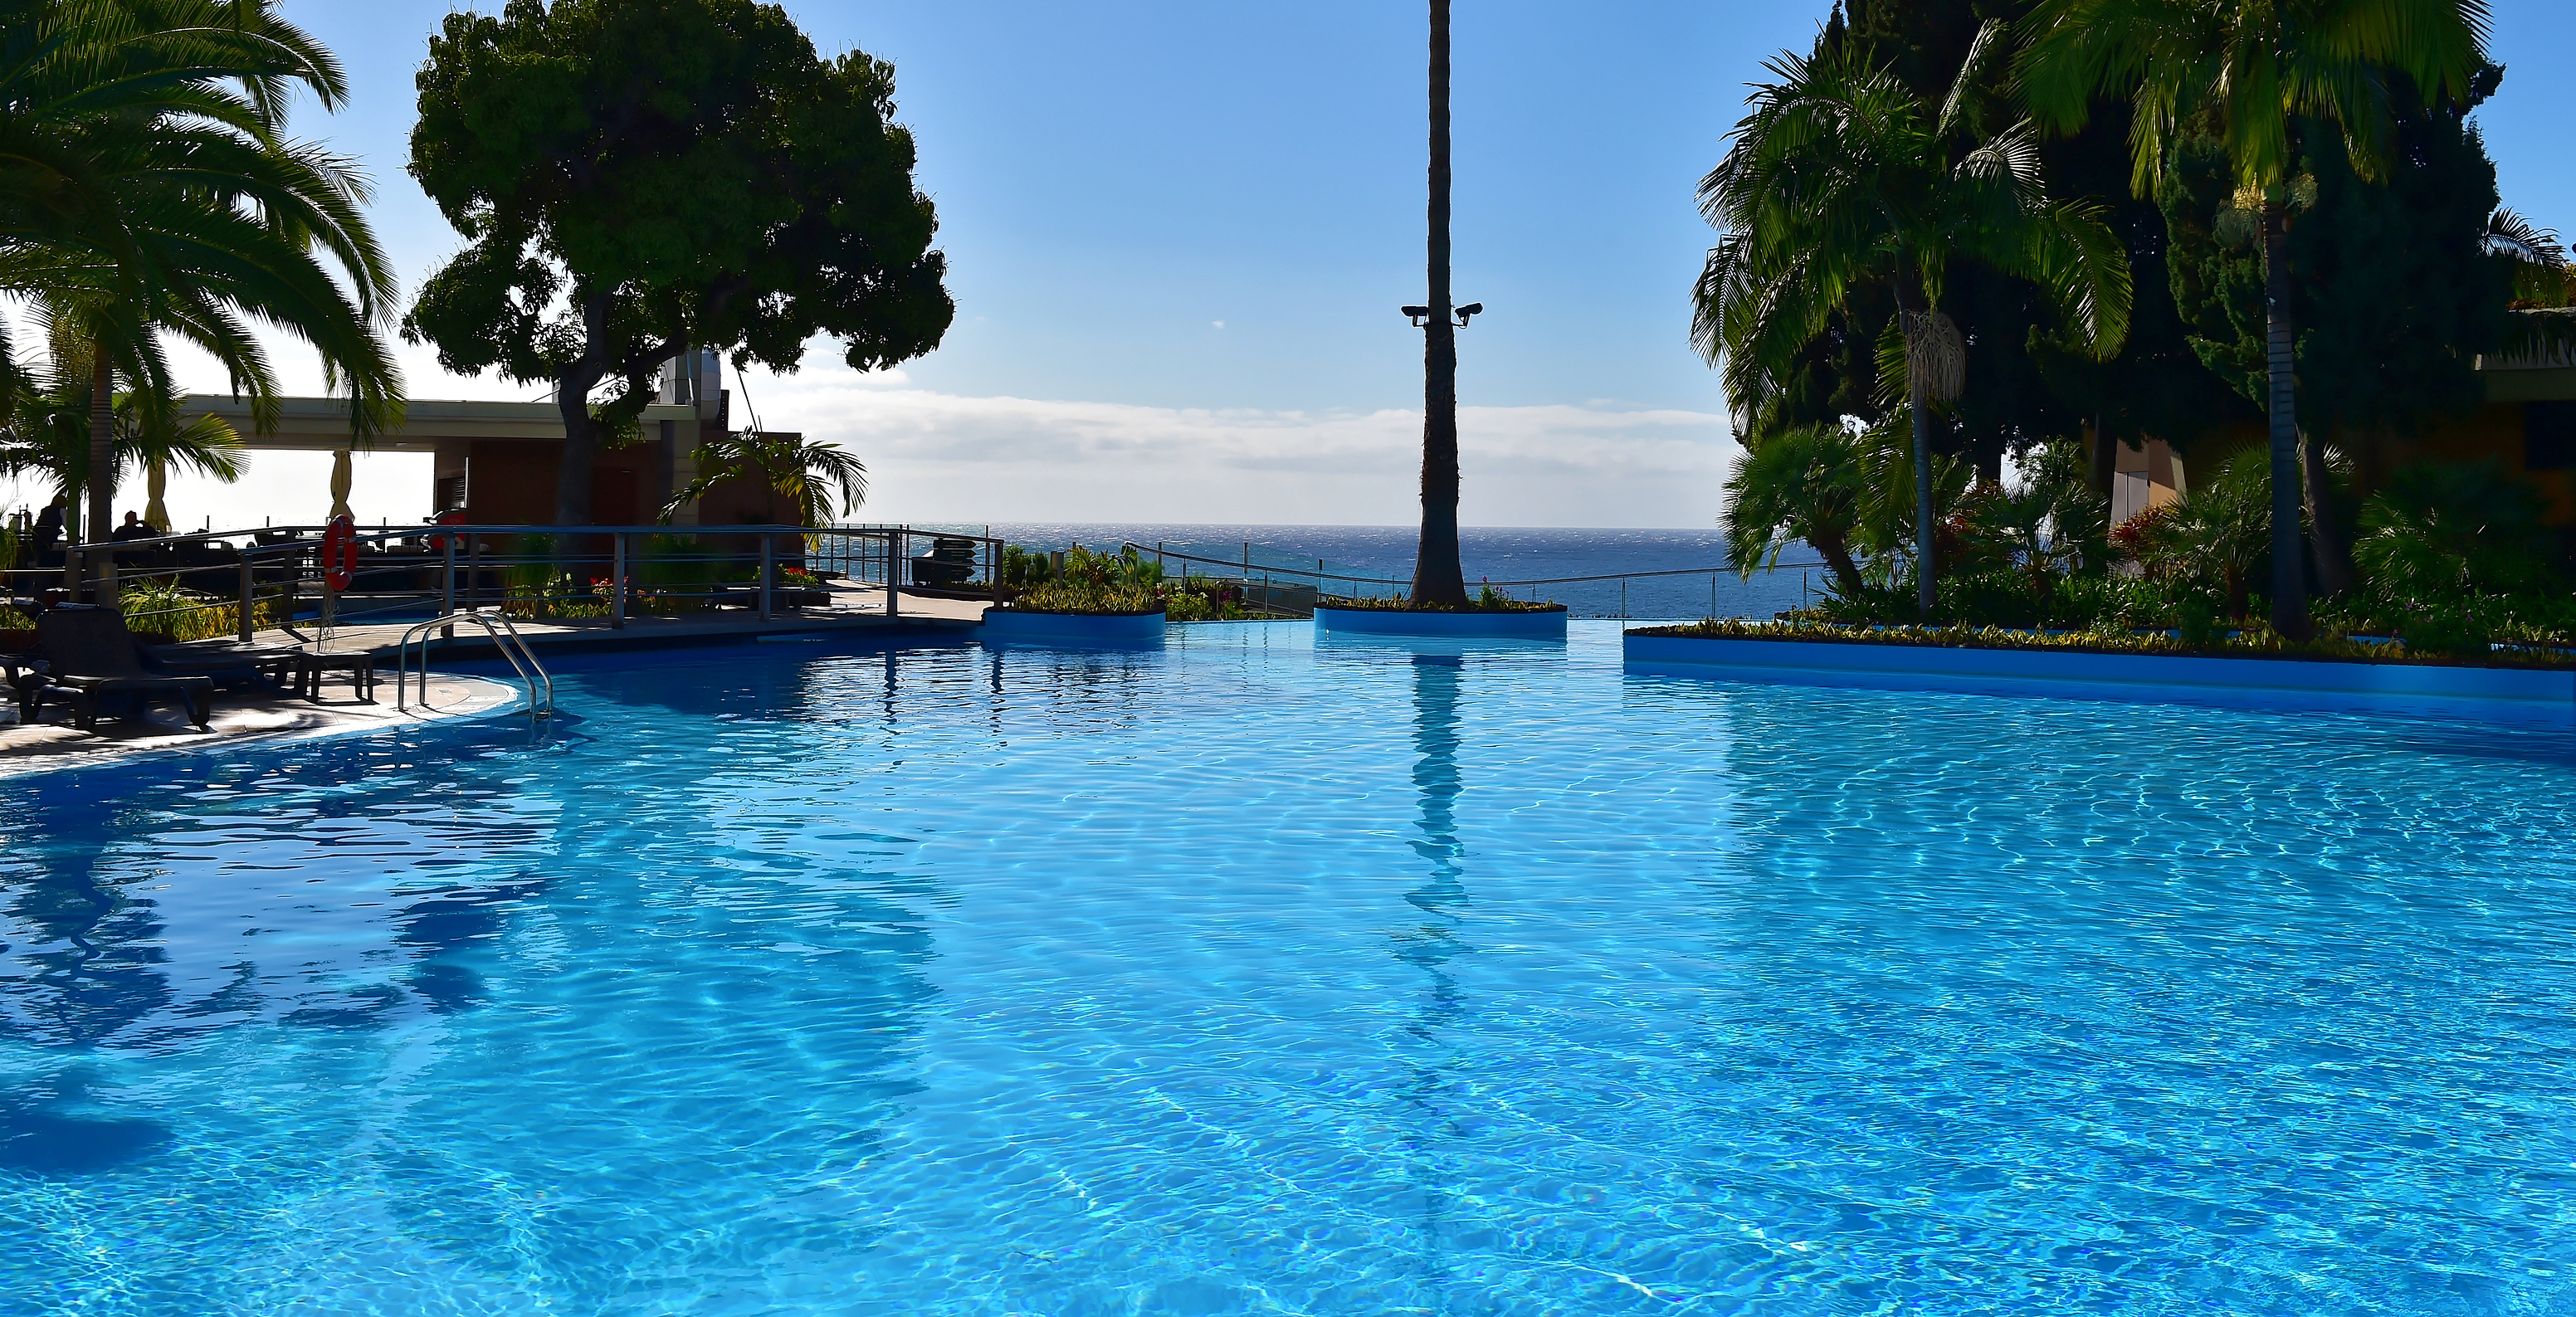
(156, 482)
(340, 477)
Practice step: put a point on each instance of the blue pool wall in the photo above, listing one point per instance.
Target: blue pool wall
(1009, 624)
(2529, 696)
(1547, 625)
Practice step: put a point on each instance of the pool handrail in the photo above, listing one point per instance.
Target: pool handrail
(505, 638)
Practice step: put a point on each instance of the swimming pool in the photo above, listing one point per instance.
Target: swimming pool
(1253, 976)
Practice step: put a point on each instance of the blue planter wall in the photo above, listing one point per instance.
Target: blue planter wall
(1008, 624)
(2547, 698)
(1548, 625)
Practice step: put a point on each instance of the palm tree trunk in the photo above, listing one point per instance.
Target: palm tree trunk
(1912, 320)
(2289, 574)
(1837, 555)
(1918, 399)
(101, 565)
(2325, 534)
(2105, 466)
(1438, 577)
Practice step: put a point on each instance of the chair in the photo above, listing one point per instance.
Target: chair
(91, 655)
(21, 665)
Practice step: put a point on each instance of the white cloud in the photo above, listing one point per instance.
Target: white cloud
(935, 456)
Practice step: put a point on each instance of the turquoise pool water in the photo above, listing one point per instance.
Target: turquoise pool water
(1252, 977)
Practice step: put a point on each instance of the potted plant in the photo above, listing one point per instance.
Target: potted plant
(1078, 596)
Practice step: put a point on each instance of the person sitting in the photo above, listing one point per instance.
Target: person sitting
(135, 528)
(49, 526)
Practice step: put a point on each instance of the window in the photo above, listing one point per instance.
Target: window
(2548, 436)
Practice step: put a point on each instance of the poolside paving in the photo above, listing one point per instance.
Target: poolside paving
(852, 611)
(55, 743)
(238, 719)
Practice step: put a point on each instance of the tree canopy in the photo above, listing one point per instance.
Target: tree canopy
(1841, 176)
(634, 177)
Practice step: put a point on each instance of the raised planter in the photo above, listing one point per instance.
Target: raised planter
(1523, 624)
(2546, 697)
(1014, 624)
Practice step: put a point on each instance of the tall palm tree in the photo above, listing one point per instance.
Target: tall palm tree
(146, 190)
(1841, 176)
(2255, 70)
(1439, 579)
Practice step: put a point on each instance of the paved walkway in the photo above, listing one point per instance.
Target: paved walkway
(239, 718)
(864, 611)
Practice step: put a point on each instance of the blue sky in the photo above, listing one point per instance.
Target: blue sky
(1178, 233)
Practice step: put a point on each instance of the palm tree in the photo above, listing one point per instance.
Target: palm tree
(1439, 578)
(1842, 177)
(1801, 485)
(45, 425)
(797, 476)
(2255, 73)
(146, 190)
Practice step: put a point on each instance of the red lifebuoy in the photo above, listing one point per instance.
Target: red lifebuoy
(340, 553)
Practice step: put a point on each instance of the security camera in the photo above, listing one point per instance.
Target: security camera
(1469, 310)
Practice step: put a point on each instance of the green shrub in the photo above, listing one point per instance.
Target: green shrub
(1086, 596)
(2441, 531)
(153, 603)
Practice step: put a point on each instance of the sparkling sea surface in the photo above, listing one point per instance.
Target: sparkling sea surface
(1254, 975)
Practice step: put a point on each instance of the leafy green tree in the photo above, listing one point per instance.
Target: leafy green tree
(1840, 175)
(146, 189)
(634, 177)
(2157, 387)
(2257, 74)
(2401, 283)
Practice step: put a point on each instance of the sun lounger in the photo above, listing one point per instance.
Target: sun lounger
(225, 661)
(91, 659)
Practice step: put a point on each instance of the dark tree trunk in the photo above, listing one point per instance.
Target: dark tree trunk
(1918, 401)
(1438, 578)
(581, 439)
(2289, 574)
(2325, 534)
(1837, 556)
(1990, 466)
(572, 475)
(2105, 463)
(100, 567)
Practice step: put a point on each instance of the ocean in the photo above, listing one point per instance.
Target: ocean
(1704, 586)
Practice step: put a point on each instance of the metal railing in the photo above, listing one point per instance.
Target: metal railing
(505, 638)
(274, 575)
(1268, 575)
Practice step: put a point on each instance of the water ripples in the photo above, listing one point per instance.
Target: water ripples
(1257, 976)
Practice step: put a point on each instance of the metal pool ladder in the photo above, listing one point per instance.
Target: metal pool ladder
(505, 638)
